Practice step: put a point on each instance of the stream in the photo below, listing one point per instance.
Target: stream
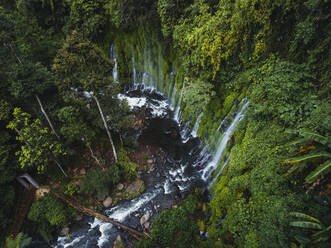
(182, 163)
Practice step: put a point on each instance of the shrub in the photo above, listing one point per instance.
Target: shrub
(99, 182)
(51, 210)
(126, 165)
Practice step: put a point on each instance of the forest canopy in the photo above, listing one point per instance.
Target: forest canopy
(59, 108)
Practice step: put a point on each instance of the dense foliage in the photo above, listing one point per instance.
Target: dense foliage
(174, 227)
(56, 90)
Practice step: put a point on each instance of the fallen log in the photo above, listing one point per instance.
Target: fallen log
(134, 233)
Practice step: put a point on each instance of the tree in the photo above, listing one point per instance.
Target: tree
(174, 227)
(20, 241)
(88, 17)
(98, 182)
(28, 80)
(76, 126)
(197, 95)
(51, 209)
(39, 148)
(124, 13)
(84, 70)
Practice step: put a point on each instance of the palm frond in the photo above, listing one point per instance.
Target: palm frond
(320, 171)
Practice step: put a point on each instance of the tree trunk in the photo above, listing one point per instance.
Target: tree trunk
(119, 133)
(73, 203)
(60, 167)
(46, 116)
(94, 156)
(106, 127)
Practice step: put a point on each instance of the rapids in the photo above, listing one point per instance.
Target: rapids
(185, 165)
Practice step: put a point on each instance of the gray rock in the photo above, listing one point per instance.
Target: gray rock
(149, 161)
(82, 171)
(135, 187)
(144, 218)
(120, 186)
(146, 225)
(64, 231)
(107, 202)
(78, 218)
(118, 238)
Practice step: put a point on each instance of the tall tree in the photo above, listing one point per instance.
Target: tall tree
(27, 80)
(84, 72)
(76, 126)
(39, 147)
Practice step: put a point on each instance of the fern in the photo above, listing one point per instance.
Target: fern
(304, 216)
(322, 235)
(314, 136)
(307, 157)
(306, 224)
(298, 141)
(320, 171)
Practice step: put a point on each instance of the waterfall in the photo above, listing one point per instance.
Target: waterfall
(176, 116)
(134, 71)
(195, 129)
(173, 97)
(222, 142)
(210, 184)
(113, 57)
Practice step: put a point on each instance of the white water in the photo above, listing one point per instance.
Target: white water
(113, 57)
(221, 144)
(176, 117)
(195, 129)
(173, 97)
(133, 101)
(134, 71)
(210, 184)
(120, 214)
(206, 163)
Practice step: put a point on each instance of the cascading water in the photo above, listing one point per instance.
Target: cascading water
(222, 142)
(195, 129)
(176, 116)
(210, 184)
(134, 71)
(182, 171)
(113, 57)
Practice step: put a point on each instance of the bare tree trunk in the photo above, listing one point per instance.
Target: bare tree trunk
(119, 133)
(74, 203)
(60, 167)
(95, 157)
(106, 127)
(46, 116)
(13, 51)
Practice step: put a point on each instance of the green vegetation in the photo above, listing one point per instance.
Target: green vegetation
(57, 99)
(100, 182)
(20, 241)
(174, 227)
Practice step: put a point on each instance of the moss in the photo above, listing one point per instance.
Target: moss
(201, 225)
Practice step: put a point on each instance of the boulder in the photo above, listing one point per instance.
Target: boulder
(78, 218)
(82, 172)
(150, 161)
(120, 186)
(134, 187)
(107, 202)
(144, 218)
(118, 242)
(42, 191)
(64, 231)
(146, 225)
